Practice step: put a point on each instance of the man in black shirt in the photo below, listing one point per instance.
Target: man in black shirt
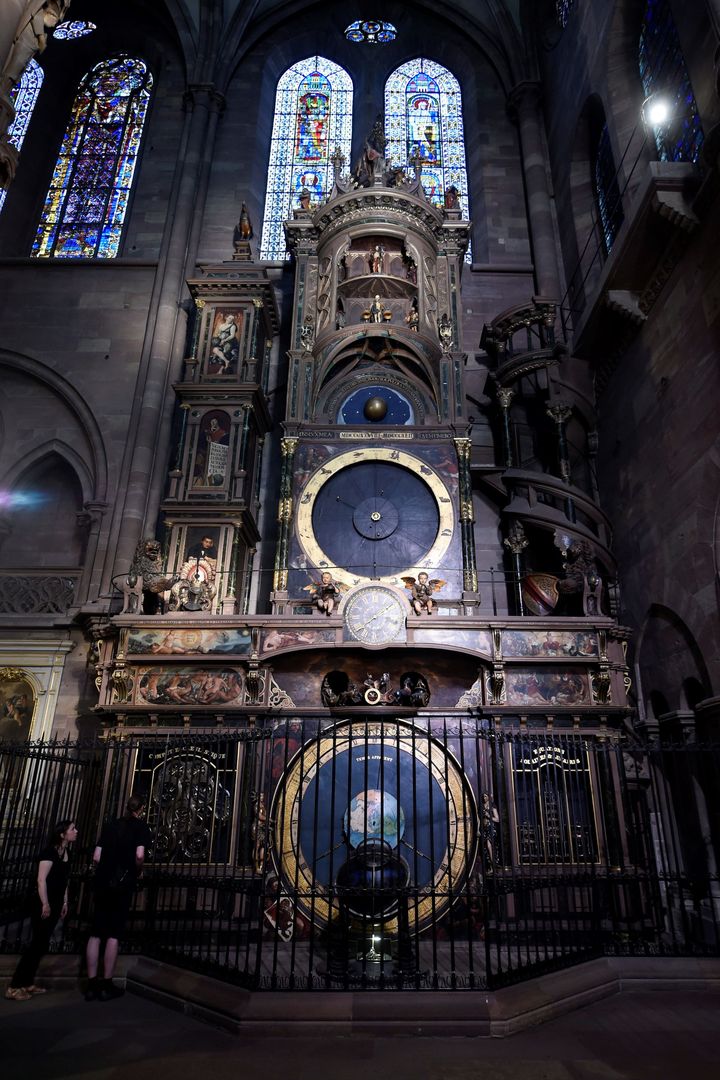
(118, 858)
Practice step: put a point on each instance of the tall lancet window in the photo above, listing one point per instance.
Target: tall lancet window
(90, 187)
(313, 117)
(423, 115)
(23, 97)
(663, 70)
(607, 191)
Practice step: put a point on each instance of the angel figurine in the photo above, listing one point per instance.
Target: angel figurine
(421, 592)
(326, 592)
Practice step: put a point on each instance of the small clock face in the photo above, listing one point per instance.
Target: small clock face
(375, 615)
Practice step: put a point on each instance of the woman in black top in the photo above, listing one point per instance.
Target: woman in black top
(49, 905)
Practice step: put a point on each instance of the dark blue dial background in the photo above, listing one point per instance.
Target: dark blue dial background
(328, 795)
(366, 484)
(399, 410)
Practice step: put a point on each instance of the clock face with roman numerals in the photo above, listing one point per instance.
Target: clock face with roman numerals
(361, 786)
(375, 615)
(375, 514)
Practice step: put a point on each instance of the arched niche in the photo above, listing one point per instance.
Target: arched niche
(668, 657)
(376, 357)
(41, 527)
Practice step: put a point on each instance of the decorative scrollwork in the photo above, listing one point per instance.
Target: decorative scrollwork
(50, 594)
(278, 699)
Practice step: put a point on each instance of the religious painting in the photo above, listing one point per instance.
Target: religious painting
(312, 121)
(213, 450)
(547, 686)
(549, 643)
(188, 686)
(294, 639)
(312, 181)
(225, 343)
(423, 119)
(17, 703)
(191, 641)
(477, 640)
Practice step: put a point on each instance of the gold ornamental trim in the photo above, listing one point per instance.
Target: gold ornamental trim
(309, 494)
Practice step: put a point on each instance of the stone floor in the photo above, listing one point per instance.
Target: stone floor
(655, 1035)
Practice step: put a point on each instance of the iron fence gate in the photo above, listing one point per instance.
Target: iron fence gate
(380, 853)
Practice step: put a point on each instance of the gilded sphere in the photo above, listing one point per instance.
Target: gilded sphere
(375, 409)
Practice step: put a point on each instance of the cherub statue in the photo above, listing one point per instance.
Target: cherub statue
(326, 592)
(421, 592)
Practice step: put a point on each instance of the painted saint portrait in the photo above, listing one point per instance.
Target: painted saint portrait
(225, 343)
(17, 703)
(213, 450)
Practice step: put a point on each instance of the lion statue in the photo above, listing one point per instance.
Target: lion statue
(146, 580)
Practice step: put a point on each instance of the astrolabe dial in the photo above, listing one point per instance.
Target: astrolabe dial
(375, 514)
(375, 615)
(363, 800)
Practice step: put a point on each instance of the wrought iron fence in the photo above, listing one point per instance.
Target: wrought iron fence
(383, 853)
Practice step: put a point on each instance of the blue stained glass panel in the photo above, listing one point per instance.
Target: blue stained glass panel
(70, 31)
(562, 11)
(313, 116)
(371, 32)
(88, 196)
(423, 114)
(663, 70)
(607, 191)
(23, 96)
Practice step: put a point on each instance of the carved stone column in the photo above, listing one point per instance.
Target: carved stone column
(560, 412)
(25, 26)
(285, 508)
(463, 448)
(524, 104)
(516, 542)
(505, 395)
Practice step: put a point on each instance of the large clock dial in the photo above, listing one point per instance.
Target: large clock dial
(360, 784)
(375, 615)
(375, 514)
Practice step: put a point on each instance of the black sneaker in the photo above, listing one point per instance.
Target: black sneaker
(108, 991)
(92, 991)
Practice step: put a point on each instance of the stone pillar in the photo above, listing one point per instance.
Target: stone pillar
(516, 542)
(151, 422)
(505, 395)
(524, 104)
(280, 577)
(463, 448)
(25, 26)
(560, 412)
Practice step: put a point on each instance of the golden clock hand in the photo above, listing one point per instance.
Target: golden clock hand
(373, 617)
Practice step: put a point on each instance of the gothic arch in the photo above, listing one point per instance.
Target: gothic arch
(77, 405)
(56, 448)
(667, 656)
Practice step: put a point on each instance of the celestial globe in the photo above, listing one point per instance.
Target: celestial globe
(375, 409)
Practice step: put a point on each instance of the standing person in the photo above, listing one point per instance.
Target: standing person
(49, 905)
(118, 858)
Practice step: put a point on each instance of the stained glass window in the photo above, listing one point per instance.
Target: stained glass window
(88, 197)
(69, 31)
(23, 97)
(562, 11)
(371, 32)
(607, 191)
(313, 116)
(663, 70)
(423, 114)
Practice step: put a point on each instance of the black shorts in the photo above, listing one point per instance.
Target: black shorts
(112, 907)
